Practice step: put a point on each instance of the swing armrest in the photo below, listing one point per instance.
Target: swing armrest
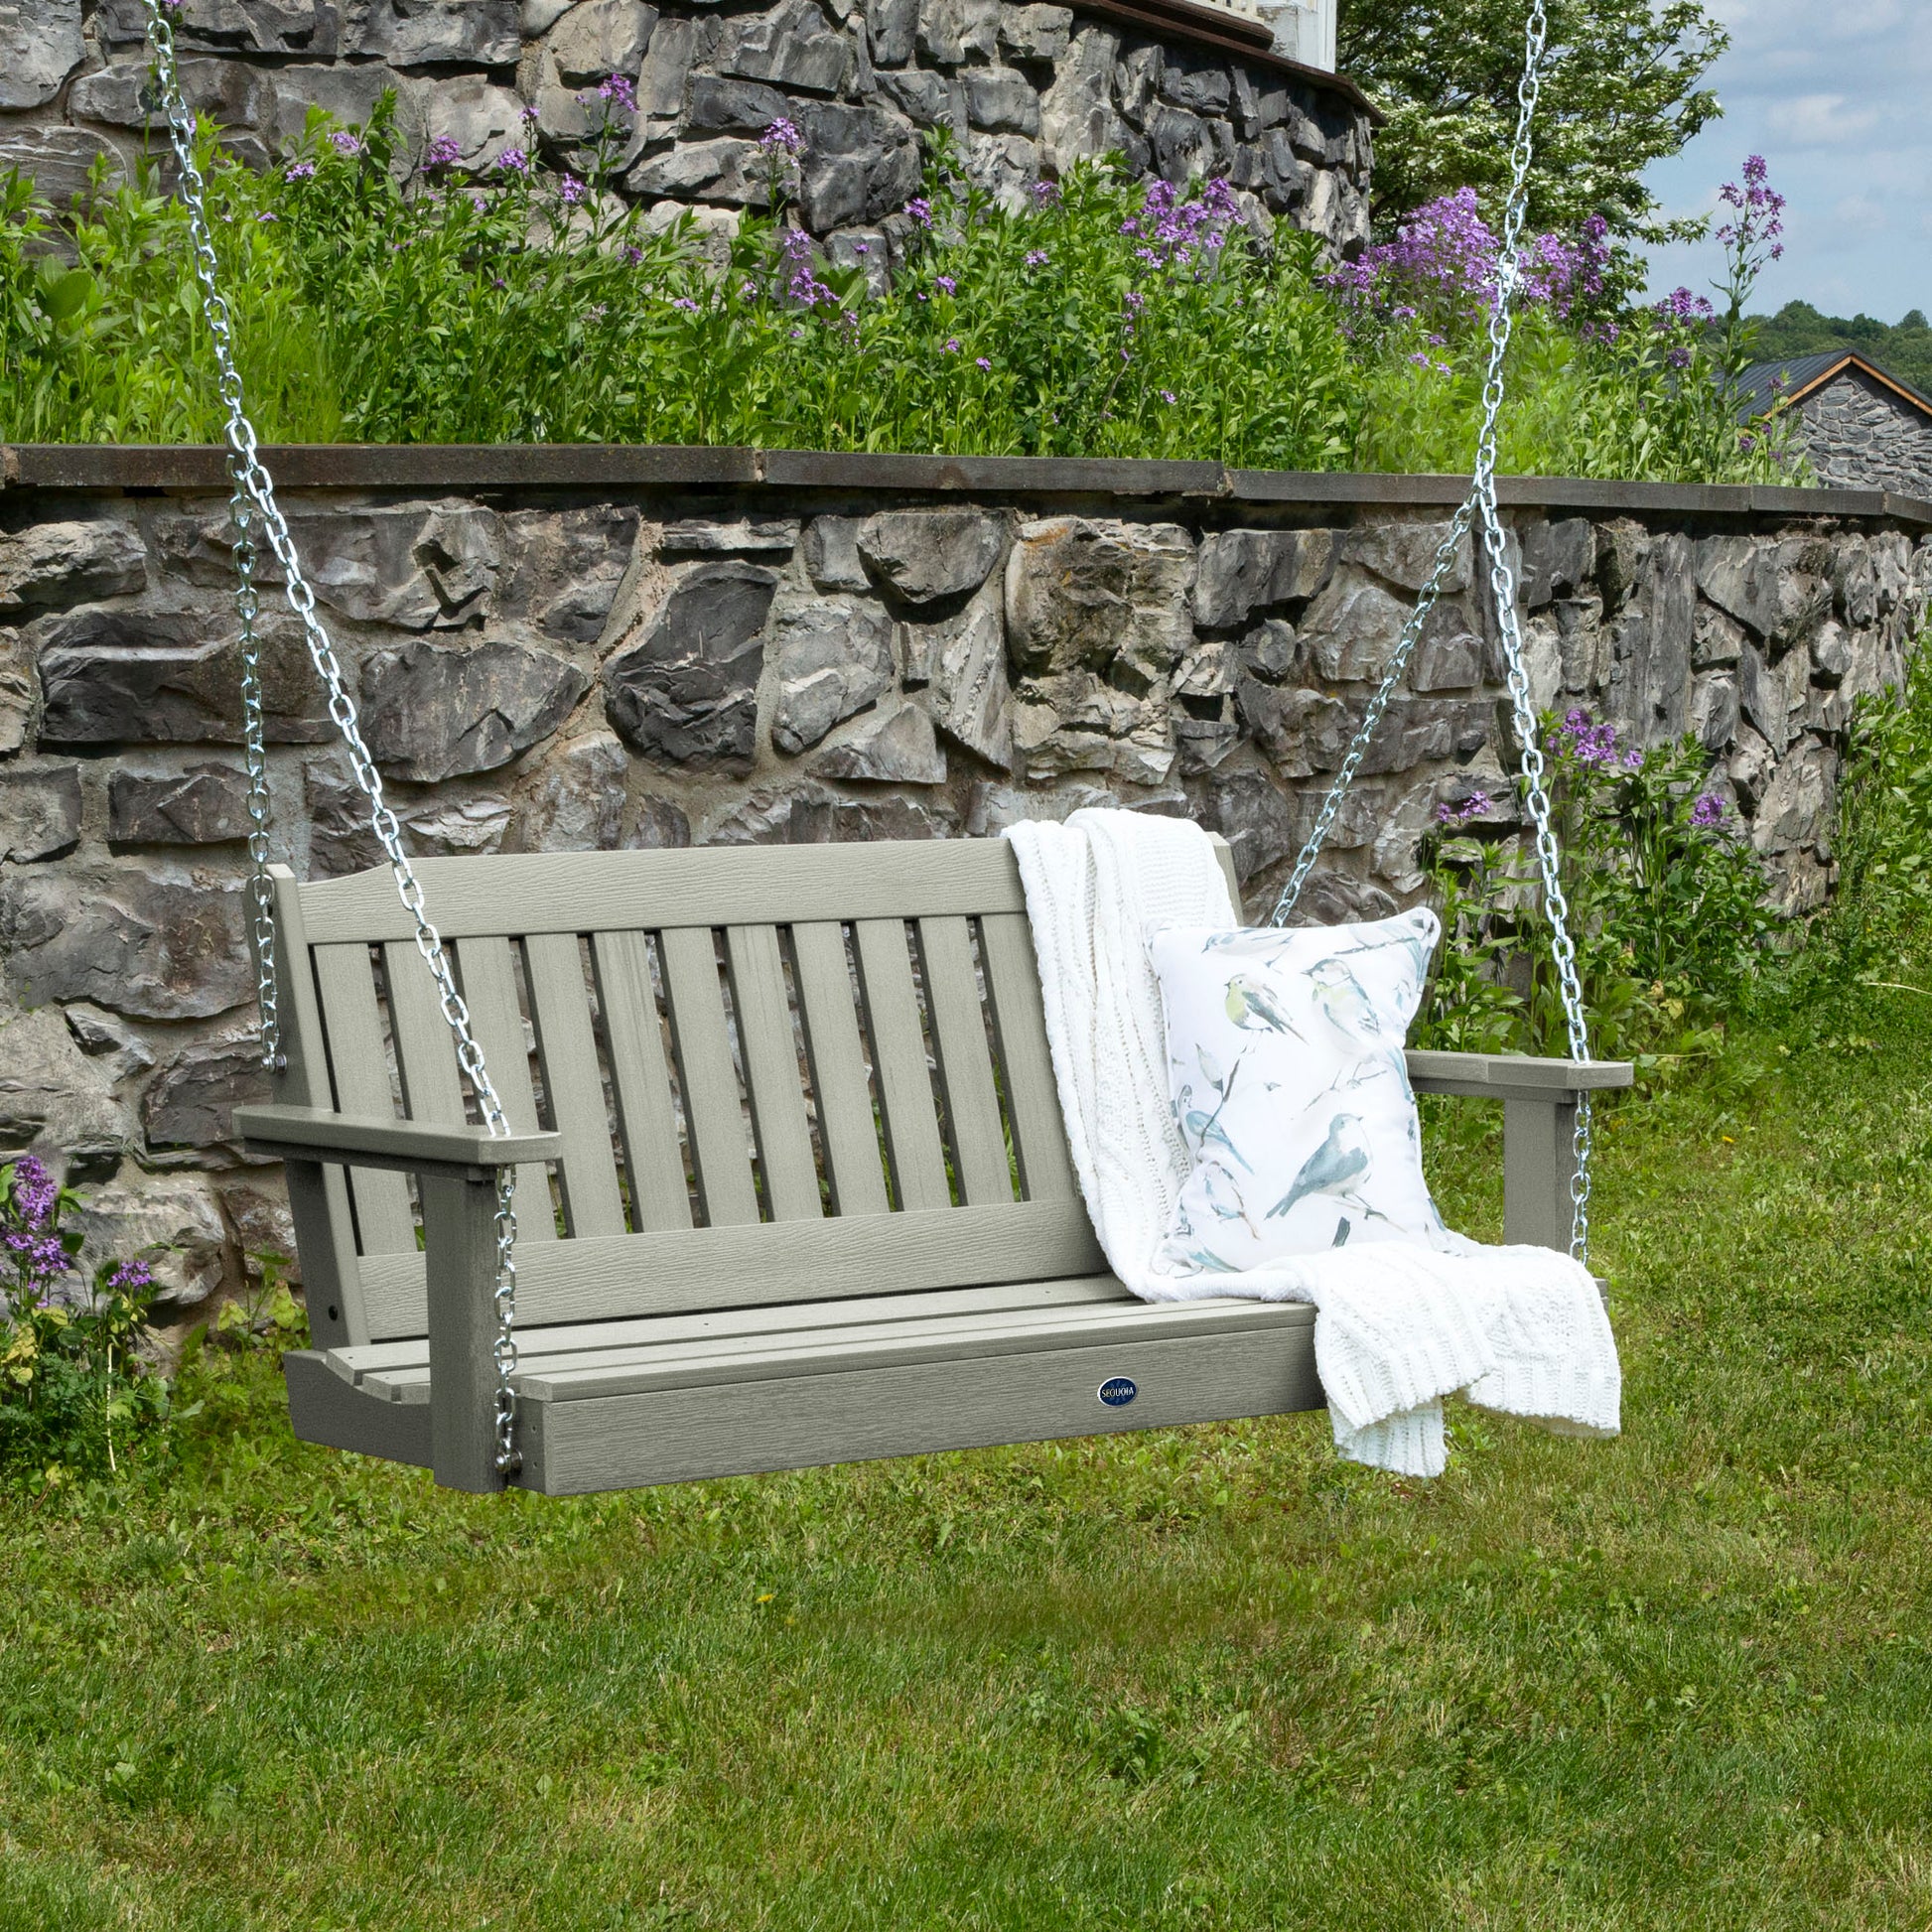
(412, 1147)
(1539, 1099)
(1513, 1077)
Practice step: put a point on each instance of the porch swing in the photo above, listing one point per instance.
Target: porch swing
(896, 1260)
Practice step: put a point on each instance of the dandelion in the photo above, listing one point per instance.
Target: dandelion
(443, 152)
(782, 137)
(345, 143)
(513, 161)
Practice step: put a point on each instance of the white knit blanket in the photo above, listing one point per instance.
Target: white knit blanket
(1397, 1326)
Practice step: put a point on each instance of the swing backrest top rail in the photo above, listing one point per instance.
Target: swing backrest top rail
(773, 1076)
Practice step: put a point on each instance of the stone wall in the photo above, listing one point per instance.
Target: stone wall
(1027, 88)
(565, 649)
(1861, 433)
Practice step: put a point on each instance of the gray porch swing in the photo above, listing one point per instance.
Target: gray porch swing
(896, 1259)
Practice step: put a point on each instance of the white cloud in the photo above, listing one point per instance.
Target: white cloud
(1821, 120)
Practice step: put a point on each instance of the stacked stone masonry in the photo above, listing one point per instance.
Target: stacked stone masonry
(1862, 434)
(1024, 89)
(559, 670)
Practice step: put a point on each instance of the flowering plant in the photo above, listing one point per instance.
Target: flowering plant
(70, 1378)
(1667, 901)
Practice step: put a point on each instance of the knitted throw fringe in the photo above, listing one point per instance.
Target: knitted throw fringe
(1397, 1326)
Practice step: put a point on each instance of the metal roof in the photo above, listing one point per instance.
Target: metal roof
(1768, 386)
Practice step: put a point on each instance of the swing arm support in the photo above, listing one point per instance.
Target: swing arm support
(1540, 1100)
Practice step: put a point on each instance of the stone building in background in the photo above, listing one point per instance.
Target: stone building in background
(1181, 89)
(1859, 426)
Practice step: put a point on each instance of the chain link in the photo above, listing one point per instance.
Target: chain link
(253, 503)
(1480, 507)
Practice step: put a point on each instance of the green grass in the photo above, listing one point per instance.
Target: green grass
(1207, 1677)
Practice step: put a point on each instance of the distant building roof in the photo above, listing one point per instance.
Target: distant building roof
(1767, 386)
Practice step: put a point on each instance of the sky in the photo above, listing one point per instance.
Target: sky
(1837, 95)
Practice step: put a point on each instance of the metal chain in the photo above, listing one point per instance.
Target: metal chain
(1502, 584)
(1481, 507)
(254, 500)
(247, 602)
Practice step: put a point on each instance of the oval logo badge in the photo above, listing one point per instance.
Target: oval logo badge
(1117, 1391)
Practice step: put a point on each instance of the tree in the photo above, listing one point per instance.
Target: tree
(1620, 90)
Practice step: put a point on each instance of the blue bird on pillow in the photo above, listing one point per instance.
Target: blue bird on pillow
(1340, 1161)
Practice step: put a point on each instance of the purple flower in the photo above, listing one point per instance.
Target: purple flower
(1473, 807)
(529, 115)
(952, 344)
(571, 191)
(345, 143)
(1045, 193)
(920, 209)
(685, 303)
(130, 1276)
(443, 152)
(1035, 258)
(1679, 309)
(34, 1192)
(1445, 264)
(1707, 812)
(513, 161)
(979, 363)
(266, 215)
(301, 170)
(618, 92)
(801, 283)
(782, 137)
(1753, 238)
(945, 283)
(1585, 742)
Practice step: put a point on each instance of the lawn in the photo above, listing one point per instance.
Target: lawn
(1207, 1677)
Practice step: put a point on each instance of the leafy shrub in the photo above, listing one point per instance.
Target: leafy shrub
(71, 1379)
(1667, 903)
(1103, 317)
(1882, 912)
(1591, 391)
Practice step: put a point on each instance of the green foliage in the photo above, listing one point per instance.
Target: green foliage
(1620, 91)
(1666, 897)
(72, 1382)
(1106, 318)
(1905, 347)
(1880, 915)
(1648, 403)
(113, 350)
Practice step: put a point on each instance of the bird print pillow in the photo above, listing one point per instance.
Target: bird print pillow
(1285, 1065)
